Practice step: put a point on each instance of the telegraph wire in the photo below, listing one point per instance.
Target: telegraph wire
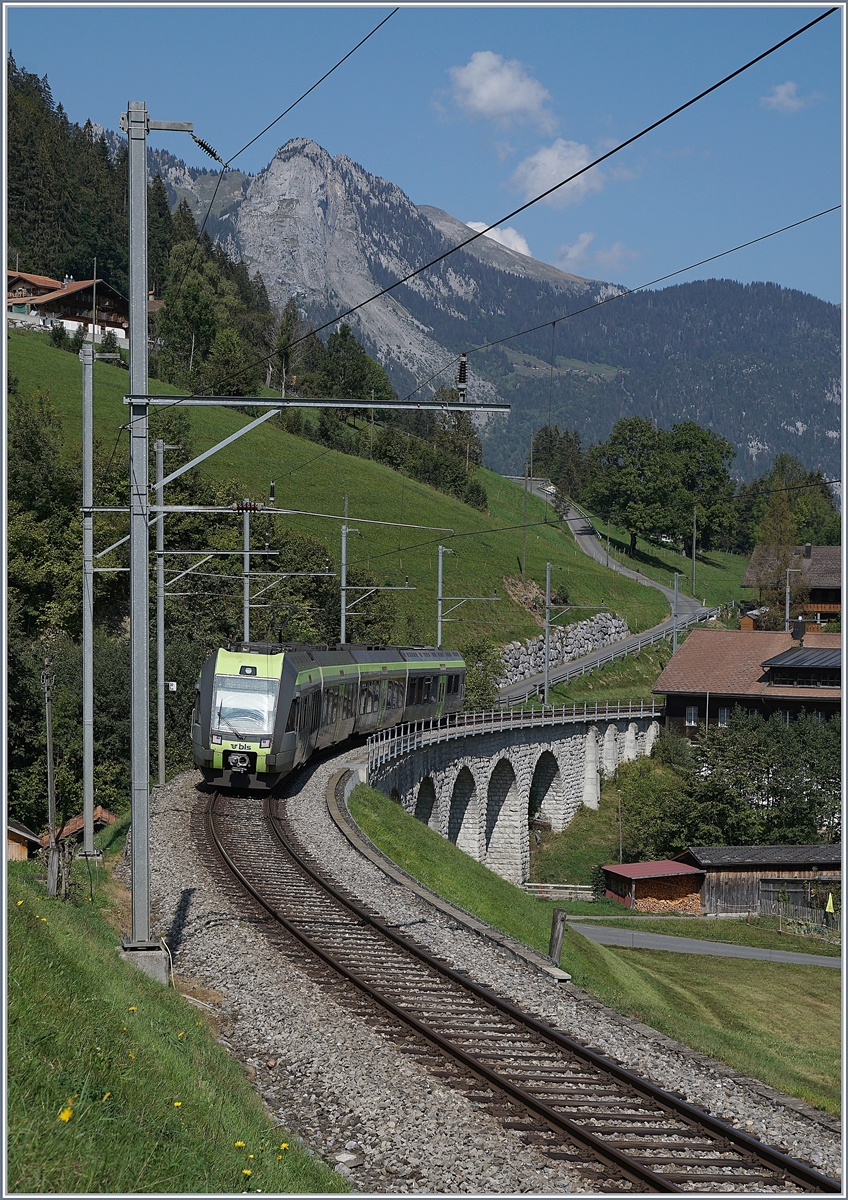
(549, 191)
(625, 292)
(314, 86)
(226, 165)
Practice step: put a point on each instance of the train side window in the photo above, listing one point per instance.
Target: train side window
(291, 723)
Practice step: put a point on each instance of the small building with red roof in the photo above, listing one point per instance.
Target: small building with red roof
(655, 887)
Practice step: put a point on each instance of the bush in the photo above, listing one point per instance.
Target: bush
(109, 344)
(598, 882)
(78, 340)
(58, 335)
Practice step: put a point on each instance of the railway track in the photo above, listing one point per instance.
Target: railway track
(565, 1098)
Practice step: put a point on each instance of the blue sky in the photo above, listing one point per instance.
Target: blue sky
(475, 109)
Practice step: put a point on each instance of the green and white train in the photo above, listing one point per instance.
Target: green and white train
(262, 709)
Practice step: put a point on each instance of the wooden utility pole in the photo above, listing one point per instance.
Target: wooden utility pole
(694, 539)
(47, 681)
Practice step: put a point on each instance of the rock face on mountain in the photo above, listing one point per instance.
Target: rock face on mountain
(756, 363)
(326, 231)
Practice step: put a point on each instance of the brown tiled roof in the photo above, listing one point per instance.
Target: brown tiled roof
(823, 569)
(728, 662)
(102, 816)
(37, 280)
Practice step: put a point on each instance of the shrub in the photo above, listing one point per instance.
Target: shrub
(58, 335)
(598, 882)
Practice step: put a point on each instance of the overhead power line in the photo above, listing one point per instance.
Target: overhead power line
(226, 165)
(619, 295)
(549, 191)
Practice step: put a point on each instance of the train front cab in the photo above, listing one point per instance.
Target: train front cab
(241, 731)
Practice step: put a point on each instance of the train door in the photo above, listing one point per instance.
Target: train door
(384, 696)
(442, 692)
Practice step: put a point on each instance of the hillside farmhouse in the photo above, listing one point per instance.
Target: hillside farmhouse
(37, 301)
(716, 669)
(821, 576)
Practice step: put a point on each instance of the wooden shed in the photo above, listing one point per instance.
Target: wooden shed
(21, 843)
(655, 887)
(732, 875)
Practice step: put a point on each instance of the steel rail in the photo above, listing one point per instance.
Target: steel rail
(621, 1163)
(633, 1169)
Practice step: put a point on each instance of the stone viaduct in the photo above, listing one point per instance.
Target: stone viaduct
(479, 781)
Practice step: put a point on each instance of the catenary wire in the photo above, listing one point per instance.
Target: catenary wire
(549, 191)
(618, 295)
(326, 75)
(226, 165)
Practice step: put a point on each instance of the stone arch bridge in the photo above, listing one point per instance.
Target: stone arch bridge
(477, 779)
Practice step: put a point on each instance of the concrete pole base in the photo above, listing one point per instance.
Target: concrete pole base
(154, 962)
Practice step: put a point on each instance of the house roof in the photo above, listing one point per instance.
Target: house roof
(22, 831)
(729, 662)
(36, 280)
(652, 870)
(73, 287)
(102, 816)
(806, 657)
(763, 856)
(823, 569)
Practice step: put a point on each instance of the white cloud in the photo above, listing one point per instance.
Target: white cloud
(615, 256)
(508, 237)
(502, 90)
(552, 163)
(576, 258)
(784, 98)
(573, 258)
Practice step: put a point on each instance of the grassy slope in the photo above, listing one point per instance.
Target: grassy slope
(374, 492)
(157, 1105)
(590, 839)
(776, 1022)
(759, 931)
(717, 574)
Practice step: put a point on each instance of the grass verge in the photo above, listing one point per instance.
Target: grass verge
(590, 840)
(776, 1022)
(115, 1084)
(718, 574)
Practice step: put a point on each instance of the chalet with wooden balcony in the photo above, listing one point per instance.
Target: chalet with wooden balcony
(820, 581)
(38, 300)
(717, 669)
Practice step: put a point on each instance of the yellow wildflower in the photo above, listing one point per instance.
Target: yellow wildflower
(66, 1113)
(239, 1145)
(131, 1054)
(178, 1104)
(250, 1156)
(181, 1033)
(20, 902)
(279, 1158)
(132, 1008)
(284, 1145)
(247, 1171)
(124, 1029)
(105, 1097)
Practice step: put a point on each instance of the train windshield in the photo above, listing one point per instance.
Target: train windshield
(244, 706)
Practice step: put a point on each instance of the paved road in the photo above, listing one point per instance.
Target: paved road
(589, 544)
(683, 945)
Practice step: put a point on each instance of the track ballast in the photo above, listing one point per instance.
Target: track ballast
(571, 1102)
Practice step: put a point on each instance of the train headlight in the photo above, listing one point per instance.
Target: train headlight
(264, 743)
(216, 739)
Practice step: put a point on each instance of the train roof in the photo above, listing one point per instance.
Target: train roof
(303, 656)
